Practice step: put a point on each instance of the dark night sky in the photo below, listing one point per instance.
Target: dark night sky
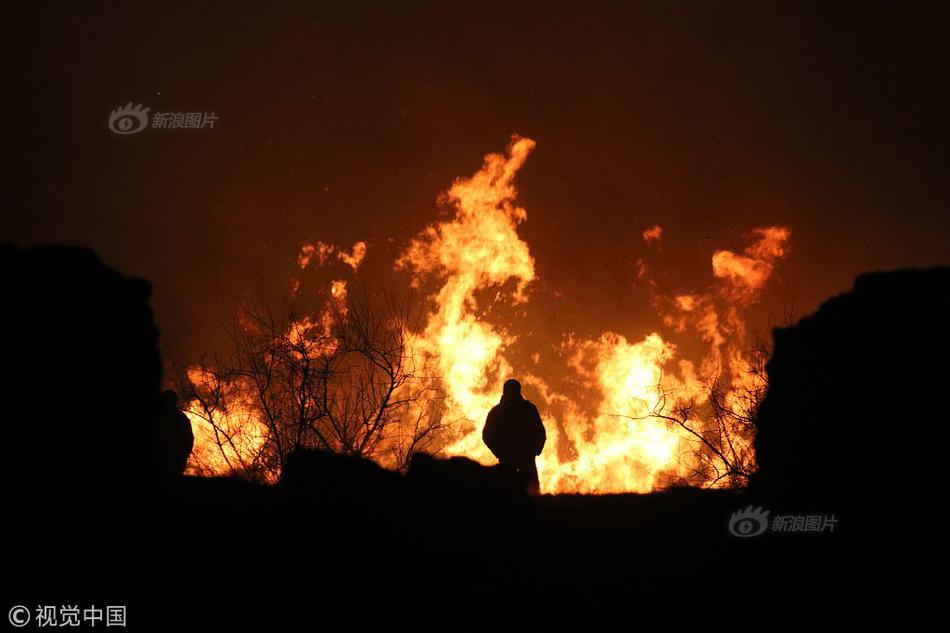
(342, 123)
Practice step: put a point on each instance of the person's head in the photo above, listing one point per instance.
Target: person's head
(169, 399)
(512, 389)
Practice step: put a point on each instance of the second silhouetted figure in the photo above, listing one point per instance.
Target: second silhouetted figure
(515, 434)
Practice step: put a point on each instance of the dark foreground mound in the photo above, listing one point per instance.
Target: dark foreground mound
(97, 512)
(82, 371)
(853, 413)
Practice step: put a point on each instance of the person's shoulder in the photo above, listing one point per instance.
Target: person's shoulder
(530, 405)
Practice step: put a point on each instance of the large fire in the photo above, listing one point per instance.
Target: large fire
(626, 428)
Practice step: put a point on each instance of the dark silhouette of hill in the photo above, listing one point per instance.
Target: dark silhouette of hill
(852, 413)
(99, 512)
(83, 373)
(81, 391)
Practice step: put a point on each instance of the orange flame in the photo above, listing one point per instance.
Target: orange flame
(323, 252)
(478, 248)
(653, 234)
(748, 273)
(237, 435)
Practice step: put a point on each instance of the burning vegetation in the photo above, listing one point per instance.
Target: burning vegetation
(383, 377)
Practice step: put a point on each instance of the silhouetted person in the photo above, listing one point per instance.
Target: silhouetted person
(515, 434)
(175, 438)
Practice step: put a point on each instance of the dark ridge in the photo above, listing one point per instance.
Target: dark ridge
(98, 508)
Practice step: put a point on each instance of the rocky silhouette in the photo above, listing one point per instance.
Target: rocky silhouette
(851, 394)
(81, 392)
